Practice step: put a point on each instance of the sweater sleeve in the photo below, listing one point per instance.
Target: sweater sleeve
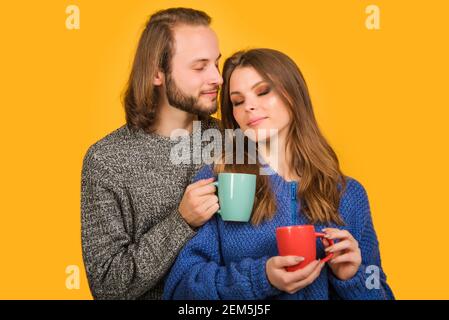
(117, 267)
(370, 281)
(200, 272)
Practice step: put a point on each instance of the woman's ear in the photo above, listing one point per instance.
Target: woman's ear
(158, 79)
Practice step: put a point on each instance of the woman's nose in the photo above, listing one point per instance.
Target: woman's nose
(250, 106)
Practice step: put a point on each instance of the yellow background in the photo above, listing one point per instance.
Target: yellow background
(380, 97)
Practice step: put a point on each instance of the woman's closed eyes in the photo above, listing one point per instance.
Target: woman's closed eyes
(261, 92)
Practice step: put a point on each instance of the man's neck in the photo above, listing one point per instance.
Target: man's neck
(170, 118)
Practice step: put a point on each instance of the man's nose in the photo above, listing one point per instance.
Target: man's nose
(216, 77)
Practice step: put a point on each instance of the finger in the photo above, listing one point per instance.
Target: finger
(342, 245)
(303, 273)
(208, 202)
(347, 257)
(337, 234)
(200, 183)
(329, 230)
(311, 277)
(211, 210)
(203, 190)
(326, 243)
(281, 262)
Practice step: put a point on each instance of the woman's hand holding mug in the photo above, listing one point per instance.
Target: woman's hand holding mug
(347, 255)
(291, 281)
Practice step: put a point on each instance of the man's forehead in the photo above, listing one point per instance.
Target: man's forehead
(196, 43)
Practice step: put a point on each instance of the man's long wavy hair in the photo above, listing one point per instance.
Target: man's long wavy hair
(312, 158)
(154, 53)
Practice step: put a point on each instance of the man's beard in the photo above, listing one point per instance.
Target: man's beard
(178, 99)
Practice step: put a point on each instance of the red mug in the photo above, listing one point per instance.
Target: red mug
(300, 241)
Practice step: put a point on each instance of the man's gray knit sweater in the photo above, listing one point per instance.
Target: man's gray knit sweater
(131, 228)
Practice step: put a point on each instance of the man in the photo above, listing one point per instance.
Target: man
(138, 209)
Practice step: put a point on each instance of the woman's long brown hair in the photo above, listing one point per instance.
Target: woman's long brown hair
(314, 161)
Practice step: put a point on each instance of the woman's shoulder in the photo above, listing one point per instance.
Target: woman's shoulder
(353, 187)
(354, 198)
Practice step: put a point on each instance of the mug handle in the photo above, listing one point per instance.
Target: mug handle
(215, 183)
(331, 242)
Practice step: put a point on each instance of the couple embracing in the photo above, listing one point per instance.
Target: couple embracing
(150, 227)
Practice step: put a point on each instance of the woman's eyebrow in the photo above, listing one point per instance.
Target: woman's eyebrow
(255, 85)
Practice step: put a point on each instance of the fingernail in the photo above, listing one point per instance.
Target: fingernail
(329, 249)
(298, 259)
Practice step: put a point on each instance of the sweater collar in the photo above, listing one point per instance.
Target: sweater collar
(142, 134)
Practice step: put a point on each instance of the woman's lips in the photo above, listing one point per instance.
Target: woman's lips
(256, 121)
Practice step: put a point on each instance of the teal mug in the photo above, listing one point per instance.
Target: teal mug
(236, 193)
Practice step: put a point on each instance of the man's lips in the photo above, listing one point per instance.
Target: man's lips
(212, 93)
(254, 121)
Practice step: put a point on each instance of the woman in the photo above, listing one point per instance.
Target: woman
(264, 89)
